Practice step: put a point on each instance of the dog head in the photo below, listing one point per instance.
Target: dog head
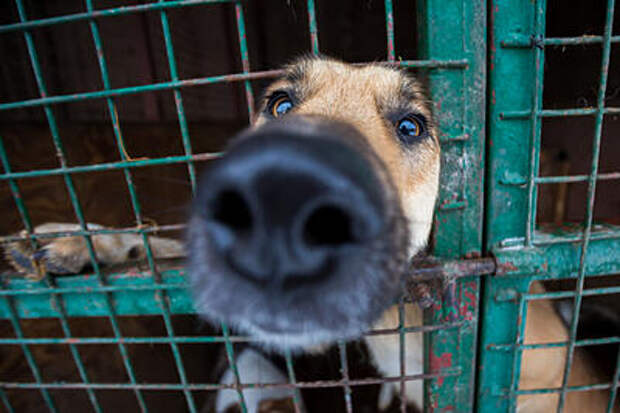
(301, 234)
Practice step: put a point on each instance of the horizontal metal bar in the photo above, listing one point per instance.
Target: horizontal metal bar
(591, 387)
(525, 42)
(201, 339)
(109, 166)
(118, 11)
(428, 268)
(237, 77)
(568, 294)
(448, 372)
(544, 238)
(558, 294)
(550, 259)
(541, 241)
(131, 90)
(549, 113)
(93, 290)
(576, 41)
(430, 64)
(578, 343)
(575, 178)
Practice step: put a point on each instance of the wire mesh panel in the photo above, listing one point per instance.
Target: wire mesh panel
(529, 252)
(454, 60)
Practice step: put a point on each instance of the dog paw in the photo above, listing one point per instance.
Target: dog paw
(66, 255)
(70, 254)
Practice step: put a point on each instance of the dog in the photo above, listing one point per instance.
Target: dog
(302, 234)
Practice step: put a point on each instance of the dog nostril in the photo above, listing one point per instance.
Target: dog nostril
(230, 209)
(328, 226)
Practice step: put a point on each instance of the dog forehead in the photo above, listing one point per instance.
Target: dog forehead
(333, 75)
(383, 87)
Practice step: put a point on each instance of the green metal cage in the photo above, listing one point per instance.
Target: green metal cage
(487, 245)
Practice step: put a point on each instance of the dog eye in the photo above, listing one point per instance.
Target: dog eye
(280, 105)
(409, 128)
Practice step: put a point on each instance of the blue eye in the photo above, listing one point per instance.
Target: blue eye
(409, 128)
(281, 105)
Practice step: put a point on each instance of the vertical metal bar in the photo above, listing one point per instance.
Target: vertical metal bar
(291, 377)
(516, 355)
(32, 364)
(74, 351)
(402, 356)
(230, 355)
(614, 385)
(389, 27)
(178, 360)
(245, 58)
(313, 28)
(178, 99)
(539, 53)
(19, 200)
(71, 190)
(6, 402)
(344, 370)
(596, 146)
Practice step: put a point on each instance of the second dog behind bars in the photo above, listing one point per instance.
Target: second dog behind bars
(302, 234)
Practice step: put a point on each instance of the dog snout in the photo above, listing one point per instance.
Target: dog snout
(290, 203)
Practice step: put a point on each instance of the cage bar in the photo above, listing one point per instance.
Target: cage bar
(245, 59)
(5, 401)
(237, 77)
(443, 373)
(516, 354)
(539, 58)
(312, 27)
(521, 41)
(111, 12)
(614, 387)
(344, 370)
(551, 113)
(230, 356)
(290, 370)
(178, 99)
(389, 28)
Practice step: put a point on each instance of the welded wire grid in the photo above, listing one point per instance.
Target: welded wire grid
(162, 283)
(539, 43)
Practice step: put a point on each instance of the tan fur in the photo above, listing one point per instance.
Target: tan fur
(544, 368)
(359, 96)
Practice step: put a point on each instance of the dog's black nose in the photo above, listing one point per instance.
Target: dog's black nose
(290, 203)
